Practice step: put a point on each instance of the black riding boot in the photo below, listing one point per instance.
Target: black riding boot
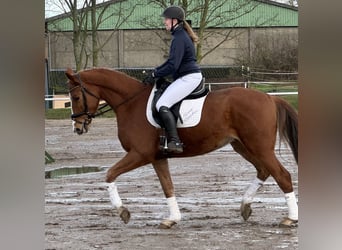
(174, 144)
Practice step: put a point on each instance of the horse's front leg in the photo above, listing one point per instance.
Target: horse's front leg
(162, 169)
(131, 161)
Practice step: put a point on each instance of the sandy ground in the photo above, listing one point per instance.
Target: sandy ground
(78, 213)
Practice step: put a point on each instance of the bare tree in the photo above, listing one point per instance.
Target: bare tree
(293, 2)
(78, 15)
(52, 8)
(122, 10)
(211, 14)
(86, 13)
(79, 19)
(277, 52)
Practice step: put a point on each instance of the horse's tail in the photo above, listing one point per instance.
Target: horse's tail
(287, 119)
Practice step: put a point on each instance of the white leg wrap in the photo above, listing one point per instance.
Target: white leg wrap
(252, 190)
(175, 214)
(114, 195)
(292, 205)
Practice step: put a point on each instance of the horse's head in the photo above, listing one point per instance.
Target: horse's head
(84, 102)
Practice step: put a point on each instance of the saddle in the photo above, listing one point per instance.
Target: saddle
(161, 86)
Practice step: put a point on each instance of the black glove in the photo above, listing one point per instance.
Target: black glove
(150, 78)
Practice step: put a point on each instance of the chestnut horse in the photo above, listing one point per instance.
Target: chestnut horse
(245, 118)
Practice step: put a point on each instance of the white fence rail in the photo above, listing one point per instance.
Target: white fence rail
(283, 93)
(246, 84)
(57, 99)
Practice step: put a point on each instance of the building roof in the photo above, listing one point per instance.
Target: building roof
(143, 14)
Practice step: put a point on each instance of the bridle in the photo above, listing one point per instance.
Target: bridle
(99, 110)
(86, 112)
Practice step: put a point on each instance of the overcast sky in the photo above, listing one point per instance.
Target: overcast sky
(52, 7)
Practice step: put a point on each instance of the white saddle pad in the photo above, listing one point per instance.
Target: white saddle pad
(190, 111)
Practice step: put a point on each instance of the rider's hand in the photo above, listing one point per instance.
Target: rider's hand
(150, 78)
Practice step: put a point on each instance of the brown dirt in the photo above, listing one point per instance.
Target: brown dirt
(78, 213)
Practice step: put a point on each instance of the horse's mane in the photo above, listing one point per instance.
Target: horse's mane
(109, 71)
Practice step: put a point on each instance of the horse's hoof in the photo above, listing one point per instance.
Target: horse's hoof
(288, 223)
(125, 215)
(167, 224)
(246, 211)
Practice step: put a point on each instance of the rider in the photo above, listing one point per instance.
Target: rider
(182, 65)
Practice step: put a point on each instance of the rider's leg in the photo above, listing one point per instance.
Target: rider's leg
(177, 91)
(174, 144)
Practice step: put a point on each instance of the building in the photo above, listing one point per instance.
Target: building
(136, 38)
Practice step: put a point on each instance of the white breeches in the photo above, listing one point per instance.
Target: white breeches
(179, 89)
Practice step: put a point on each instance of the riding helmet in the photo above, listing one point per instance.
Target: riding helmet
(174, 12)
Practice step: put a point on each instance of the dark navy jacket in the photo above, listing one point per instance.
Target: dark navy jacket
(182, 57)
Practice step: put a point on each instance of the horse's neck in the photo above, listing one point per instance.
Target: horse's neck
(115, 86)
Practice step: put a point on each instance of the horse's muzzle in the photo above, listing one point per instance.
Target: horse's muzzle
(81, 127)
(79, 131)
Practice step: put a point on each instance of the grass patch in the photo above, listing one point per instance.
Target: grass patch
(65, 113)
(292, 99)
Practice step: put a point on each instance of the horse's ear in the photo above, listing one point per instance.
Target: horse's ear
(69, 73)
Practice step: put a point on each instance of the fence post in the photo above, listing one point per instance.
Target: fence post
(48, 104)
(245, 75)
(248, 77)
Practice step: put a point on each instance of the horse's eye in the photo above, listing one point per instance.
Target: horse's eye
(75, 98)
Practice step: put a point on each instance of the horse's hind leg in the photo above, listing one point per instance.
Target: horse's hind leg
(283, 179)
(267, 164)
(255, 185)
(162, 169)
